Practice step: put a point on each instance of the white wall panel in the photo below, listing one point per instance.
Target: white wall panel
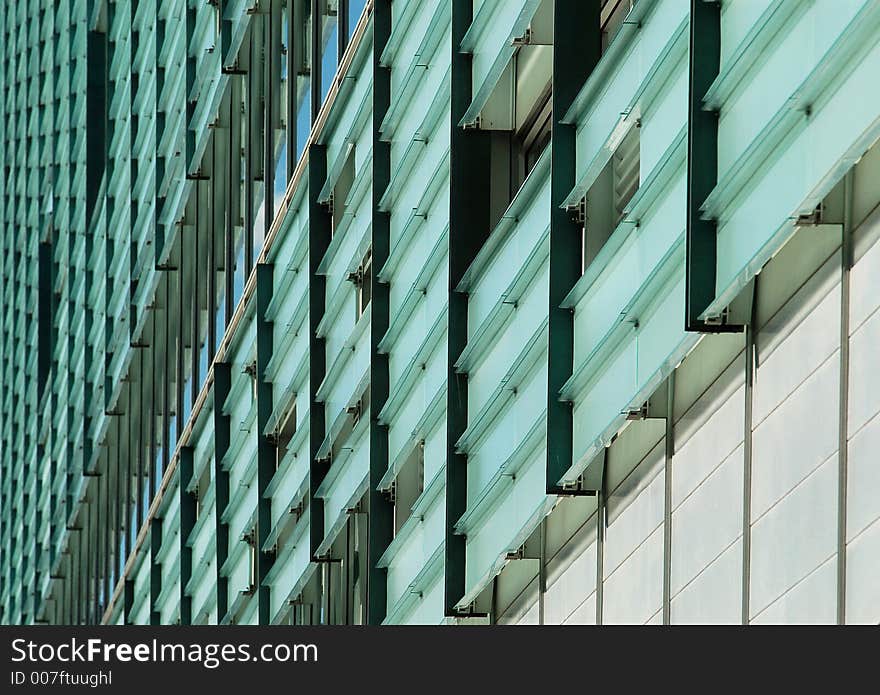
(633, 557)
(863, 470)
(715, 594)
(792, 539)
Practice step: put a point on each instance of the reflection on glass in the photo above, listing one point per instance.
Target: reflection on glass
(355, 10)
(238, 278)
(329, 45)
(280, 143)
(302, 62)
(259, 228)
(303, 115)
(172, 432)
(132, 526)
(187, 403)
(203, 361)
(284, 51)
(280, 187)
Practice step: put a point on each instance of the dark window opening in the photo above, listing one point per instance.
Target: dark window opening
(408, 486)
(251, 370)
(344, 577)
(284, 435)
(362, 279)
(532, 139)
(202, 487)
(251, 539)
(353, 414)
(604, 206)
(305, 609)
(339, 201)
(354, 567)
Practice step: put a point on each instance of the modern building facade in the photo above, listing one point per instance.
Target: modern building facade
(440, 311)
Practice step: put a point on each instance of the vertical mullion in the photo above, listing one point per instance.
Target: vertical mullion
(214, 224)
(667, 499)
(542, 570)
(94, 534)
(577, 46)
(222, 383)
(127, 600)
(381, 511)
(131, 467)
(119, 495)
(319, 240)
(751, 367)
(469, 174)
(601, 525)
(102, 561)
(194, 338)
(341, 29)
(151, 409)
(163, 375)
(187, 522)
(846, 263)
(702, 161)
(315, 58)
(272, 73)
(180, 338)
(125, 495)
(292, 71)
(155, 570)
(191, 102)
(233, 194)
(266, 451)
(143, 420)
(250, 153)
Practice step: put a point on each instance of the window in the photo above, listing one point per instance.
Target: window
(251, 370)
(301, 613)
(348, 580)
(301, 69)
(339, 200)
(283, 161)
(604, 206)
(359, 564)
(332, 594)
(305, 609)
(533, 138)
(353, 414)
(357, 410)
(362, 280)
(355, 10)
(251, 539)
(284, 435)
(329, 47)
(408, 486)
(202, 487)
(519, 112)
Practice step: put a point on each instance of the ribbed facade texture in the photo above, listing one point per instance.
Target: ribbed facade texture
(440, 311)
